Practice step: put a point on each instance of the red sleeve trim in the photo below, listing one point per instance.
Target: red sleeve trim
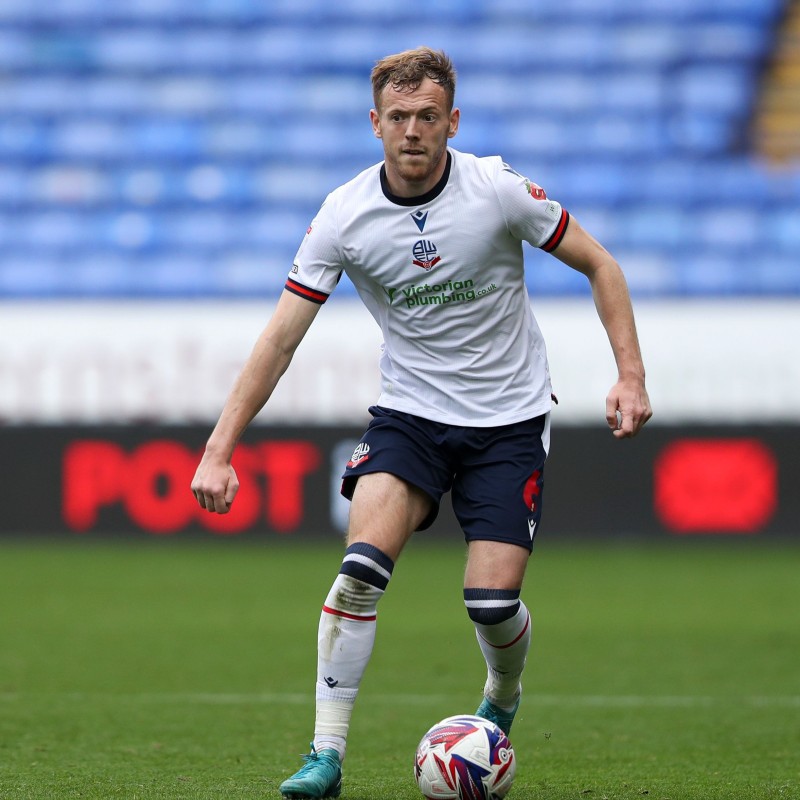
(555, 240)
(303, 291)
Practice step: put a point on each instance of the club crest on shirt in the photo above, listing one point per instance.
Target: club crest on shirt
(425, 255)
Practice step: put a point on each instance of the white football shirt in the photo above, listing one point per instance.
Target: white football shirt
(443, 276)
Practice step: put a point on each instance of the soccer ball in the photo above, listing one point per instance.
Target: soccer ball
(464, 758)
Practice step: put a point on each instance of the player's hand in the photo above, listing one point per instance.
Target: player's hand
(627, 408)
(215, 485)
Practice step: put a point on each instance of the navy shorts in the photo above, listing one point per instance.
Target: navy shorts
(496, 474)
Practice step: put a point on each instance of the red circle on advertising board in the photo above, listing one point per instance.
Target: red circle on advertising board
(715, 486)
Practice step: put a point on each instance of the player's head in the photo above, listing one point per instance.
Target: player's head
(405, 72)
(414, 116)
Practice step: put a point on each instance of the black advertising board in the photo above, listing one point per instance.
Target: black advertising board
(133, 481)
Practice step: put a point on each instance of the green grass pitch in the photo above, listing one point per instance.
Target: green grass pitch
(173, 670)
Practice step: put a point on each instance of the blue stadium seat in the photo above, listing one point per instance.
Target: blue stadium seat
(723, 90)
(25, 274)
(776, 274)
(662, 227)
(13, 188)
(782, 233)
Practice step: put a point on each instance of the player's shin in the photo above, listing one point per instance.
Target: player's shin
(503, 627)
(345, 640)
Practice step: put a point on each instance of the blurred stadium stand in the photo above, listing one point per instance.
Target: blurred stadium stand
(179, 148)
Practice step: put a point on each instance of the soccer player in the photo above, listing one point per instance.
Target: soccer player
(432, 240)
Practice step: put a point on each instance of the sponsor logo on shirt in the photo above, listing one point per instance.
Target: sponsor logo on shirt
(427, 294)
(438, 294)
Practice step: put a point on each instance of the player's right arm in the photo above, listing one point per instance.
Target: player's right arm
(215, 483)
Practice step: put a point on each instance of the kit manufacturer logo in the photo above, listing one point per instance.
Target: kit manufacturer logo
(420, 217)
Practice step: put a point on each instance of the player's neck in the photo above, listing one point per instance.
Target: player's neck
(401, 187)
(411, 191)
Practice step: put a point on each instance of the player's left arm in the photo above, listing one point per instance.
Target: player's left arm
(627, 404)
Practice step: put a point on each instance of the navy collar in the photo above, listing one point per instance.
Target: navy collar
(422, 199)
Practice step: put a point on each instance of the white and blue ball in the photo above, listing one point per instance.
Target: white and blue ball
(464, 758)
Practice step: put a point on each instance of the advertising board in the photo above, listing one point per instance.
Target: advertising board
(133, 481)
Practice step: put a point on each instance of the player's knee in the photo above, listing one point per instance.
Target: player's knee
(491, 606)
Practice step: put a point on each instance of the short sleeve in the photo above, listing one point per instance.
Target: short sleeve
(317, 267)
(529, 213)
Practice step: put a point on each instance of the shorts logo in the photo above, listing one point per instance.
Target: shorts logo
(425, 255)
(532, 527)
(360, 454)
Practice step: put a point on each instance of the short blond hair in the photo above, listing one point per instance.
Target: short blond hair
(405, 72)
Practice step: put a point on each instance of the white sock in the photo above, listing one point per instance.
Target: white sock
(345, 640)
(505, 647)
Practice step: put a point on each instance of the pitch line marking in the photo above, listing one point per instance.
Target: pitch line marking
(532, 700)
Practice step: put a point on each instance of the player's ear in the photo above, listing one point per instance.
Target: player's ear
(375, 119)
(455, 117)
